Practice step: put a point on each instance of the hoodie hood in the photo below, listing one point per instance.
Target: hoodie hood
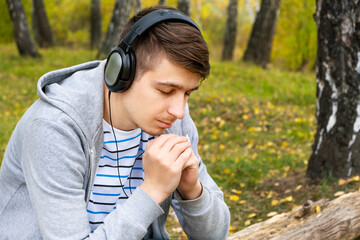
(68, 90)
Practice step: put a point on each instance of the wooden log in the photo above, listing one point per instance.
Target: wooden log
(336, 219)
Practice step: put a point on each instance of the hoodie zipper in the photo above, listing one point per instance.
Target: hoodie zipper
(89, 184)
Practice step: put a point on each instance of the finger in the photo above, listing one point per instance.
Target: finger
(178, 149)
(183, 158)
(160, 141)
(171, 143)
(193, 162)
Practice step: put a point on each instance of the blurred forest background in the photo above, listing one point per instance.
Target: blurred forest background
(257, 123)
(294, 45)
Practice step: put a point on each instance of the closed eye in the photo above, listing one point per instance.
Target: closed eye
(168, 92)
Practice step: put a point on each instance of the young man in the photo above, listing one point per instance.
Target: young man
(76, 165)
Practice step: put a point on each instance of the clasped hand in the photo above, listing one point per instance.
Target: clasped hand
(169, 163)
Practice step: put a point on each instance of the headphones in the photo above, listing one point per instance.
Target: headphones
(120, 66)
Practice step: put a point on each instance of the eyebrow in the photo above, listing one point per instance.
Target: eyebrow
(170, 84)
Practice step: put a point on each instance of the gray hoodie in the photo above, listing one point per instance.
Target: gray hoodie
(51, 159)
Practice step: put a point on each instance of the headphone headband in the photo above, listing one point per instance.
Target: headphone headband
(152, 18)
(119, 72)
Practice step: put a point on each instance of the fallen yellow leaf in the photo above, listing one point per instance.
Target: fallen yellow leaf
(298, 120)
(236, 191)
(298, 187)
(341, 182)
(234, 198)
(294, 207)
(251, 215)
(271, 214)
(287, 199)
(338, 194)
(274, 202)
(317, 209)
(356, 178)
(247, 222)
(227, 171)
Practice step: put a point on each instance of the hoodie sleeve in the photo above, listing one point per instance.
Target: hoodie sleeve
(206, 217)
(54, 165)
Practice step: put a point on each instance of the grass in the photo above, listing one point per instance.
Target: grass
(256, 128)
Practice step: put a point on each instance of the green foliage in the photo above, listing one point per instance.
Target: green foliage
(295, 41)
(70, 21)
(6, 32)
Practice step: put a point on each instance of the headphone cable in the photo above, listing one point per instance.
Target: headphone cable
(117, 150)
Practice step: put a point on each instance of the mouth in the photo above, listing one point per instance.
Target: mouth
(163, 124)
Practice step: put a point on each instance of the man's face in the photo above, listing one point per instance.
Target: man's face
(158, 97)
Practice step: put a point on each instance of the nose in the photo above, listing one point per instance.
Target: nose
(176, 107)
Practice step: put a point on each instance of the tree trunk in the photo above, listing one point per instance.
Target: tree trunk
(250, 10)
(24, 41)
(336, 149)
(162, 2)
(40, 23)
(120, 16)
(95, 24)
(260, 43)
(230, 31)
(137, 6)
(184, 6)
(338, 219)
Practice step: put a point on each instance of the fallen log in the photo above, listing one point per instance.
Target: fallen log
(336, 219)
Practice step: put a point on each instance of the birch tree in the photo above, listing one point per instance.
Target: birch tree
(95, 24)
(184, 6)
(120, 16)
(336, 149)
(24, 41)
(137, 6)
(260, 43)
(230, 31)
(40, 23)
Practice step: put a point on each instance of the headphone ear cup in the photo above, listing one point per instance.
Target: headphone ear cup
(113, 68)
(119, 70)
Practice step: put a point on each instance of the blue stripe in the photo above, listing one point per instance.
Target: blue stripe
(129, 187)
(124, 140)
(106, 175)
(106, 194)
(118, 158)
(97, 212)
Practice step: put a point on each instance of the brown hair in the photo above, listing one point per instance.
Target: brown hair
(180, 42)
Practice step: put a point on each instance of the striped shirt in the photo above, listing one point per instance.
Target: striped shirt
(119, 172)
